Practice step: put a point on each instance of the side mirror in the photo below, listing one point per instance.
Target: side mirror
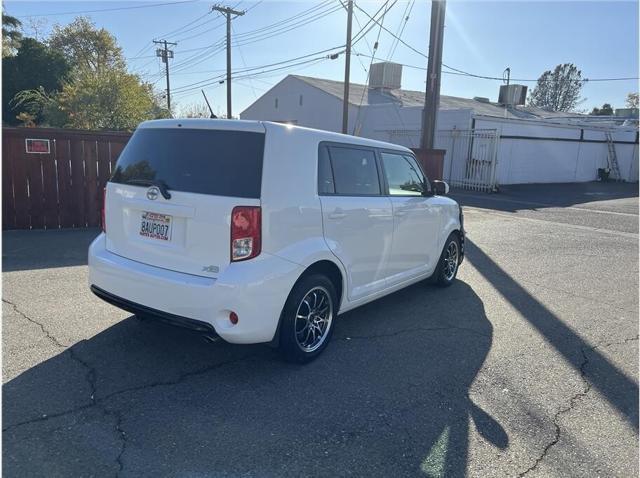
(440, 188)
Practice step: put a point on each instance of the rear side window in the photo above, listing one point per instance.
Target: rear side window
(221, 163)
(354, 172)
(325, 174)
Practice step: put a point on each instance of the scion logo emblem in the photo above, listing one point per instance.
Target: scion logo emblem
(152, 193)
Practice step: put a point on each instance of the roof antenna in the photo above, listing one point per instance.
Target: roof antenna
(213, 116)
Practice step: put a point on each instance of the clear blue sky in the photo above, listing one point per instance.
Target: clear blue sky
(482, 37)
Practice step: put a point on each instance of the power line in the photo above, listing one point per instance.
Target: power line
(485, 77)
(249, 69)
(77, 12)
(373, 54)
(522, 80)
(406, 16)
(282, 26)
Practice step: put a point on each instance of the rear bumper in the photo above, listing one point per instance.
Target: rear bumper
(255, 290)
(139, 309)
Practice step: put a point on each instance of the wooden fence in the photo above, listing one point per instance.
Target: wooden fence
(59, 188)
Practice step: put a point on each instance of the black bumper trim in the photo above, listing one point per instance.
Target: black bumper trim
(143, 310)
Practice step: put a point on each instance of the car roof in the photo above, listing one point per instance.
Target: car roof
(264, 126)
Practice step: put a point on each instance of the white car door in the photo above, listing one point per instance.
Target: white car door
(416, 219)
(357, 218)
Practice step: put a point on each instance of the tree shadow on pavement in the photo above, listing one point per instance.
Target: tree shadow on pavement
(43, 249)
(390, 396)
(618, 389)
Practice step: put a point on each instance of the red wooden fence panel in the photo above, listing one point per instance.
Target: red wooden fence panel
(8, 203)
(92, 205)
(77, 180)
(65, 197)
(62, 188)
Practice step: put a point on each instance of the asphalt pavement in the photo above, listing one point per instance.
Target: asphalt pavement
(526, 366)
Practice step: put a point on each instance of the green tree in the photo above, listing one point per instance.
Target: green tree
(606, 110)
(11, 35)
(632, 100)
(558, 90)
(110, 99)
(35, 65)
(87, 47)
(99, 92)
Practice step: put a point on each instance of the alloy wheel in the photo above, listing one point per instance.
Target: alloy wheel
(313, 319)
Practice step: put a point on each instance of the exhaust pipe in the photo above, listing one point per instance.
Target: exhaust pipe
(210, 338)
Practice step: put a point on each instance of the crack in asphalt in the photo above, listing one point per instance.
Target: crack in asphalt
(91, 377)
(573, 401)
(44, 330)
(98, 401)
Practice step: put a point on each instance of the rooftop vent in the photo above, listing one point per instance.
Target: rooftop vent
(385, 75)
(481, 99)
(512, 95)
(627, 112)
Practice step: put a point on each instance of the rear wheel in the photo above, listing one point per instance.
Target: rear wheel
(449, 261)
(307, 319)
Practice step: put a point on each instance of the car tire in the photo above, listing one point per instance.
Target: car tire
(447, 269)
(307, 319)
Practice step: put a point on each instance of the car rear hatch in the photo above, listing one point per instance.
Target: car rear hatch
(174, 187)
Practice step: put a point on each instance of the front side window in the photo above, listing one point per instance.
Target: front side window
(354, 171)
(403, 175)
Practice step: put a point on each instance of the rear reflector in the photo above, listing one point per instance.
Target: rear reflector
(233, 318)
(246, 232)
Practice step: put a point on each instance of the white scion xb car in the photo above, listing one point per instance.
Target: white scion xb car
(263, 232)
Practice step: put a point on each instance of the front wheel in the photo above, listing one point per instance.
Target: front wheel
(449, 261)
(307, 319)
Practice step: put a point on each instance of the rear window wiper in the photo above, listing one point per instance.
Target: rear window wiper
(160, 184)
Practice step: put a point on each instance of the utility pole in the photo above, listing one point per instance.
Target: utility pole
(227, 12)
(165, 54)
(434, 72)
(347, 68)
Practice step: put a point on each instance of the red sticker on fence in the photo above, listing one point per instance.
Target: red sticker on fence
(41, 146)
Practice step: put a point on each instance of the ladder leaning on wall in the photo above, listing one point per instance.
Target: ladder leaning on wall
(612, 158)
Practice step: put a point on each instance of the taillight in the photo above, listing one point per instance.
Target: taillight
(104, 206)
(246, 232)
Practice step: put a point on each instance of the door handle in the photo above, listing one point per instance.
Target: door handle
(401, 213)
(337, 215)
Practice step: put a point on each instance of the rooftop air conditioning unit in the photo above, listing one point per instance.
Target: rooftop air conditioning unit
(627, 112)
(512, 95)
(385, 75)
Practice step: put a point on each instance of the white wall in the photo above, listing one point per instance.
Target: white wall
(388, 122)
(319, 109)
(522, 160)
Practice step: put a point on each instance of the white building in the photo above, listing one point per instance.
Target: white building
(487, 143)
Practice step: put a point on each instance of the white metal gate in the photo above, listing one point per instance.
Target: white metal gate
(470, 159)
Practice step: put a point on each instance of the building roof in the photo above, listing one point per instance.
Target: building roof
(362, 95)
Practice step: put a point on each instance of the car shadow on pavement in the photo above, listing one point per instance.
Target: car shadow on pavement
(390, 395)
(618, 389)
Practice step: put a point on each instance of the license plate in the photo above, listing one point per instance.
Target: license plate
(155, 226)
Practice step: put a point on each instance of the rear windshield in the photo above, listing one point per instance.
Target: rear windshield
(221, 163)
